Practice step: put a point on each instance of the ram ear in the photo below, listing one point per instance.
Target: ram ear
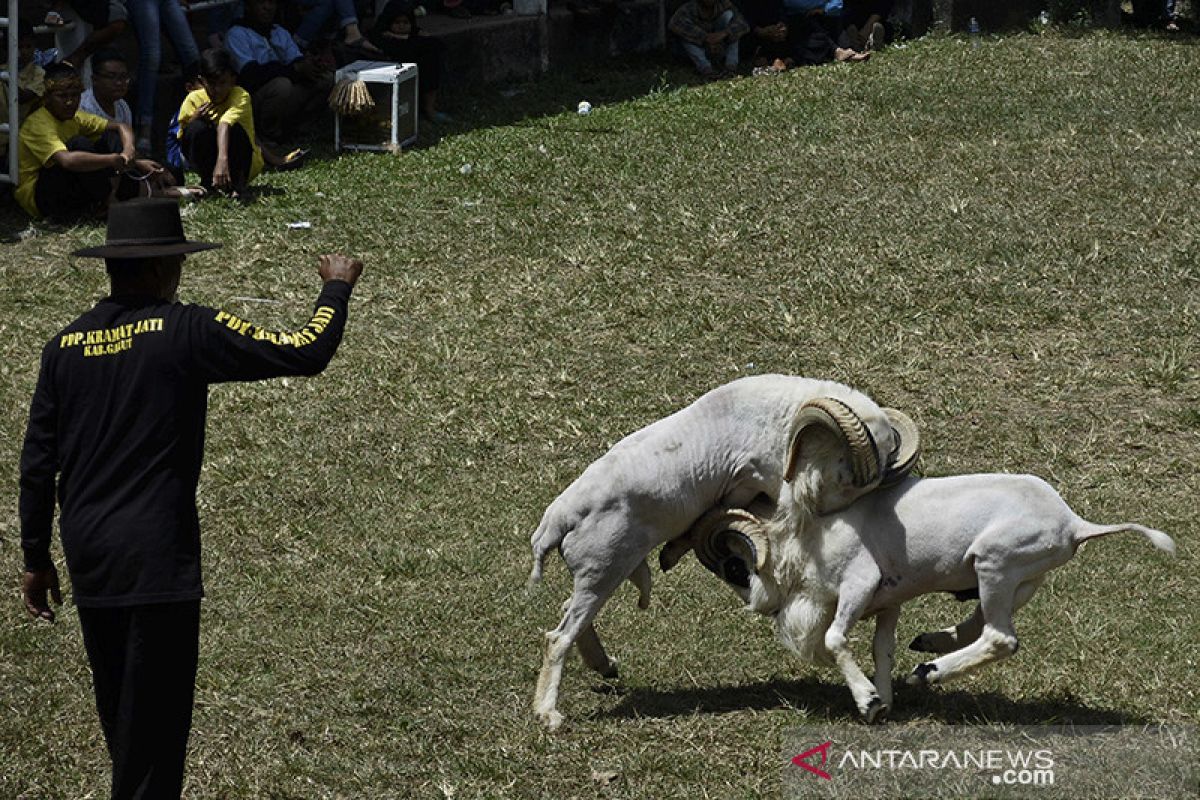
(834, 416)
(907, 452)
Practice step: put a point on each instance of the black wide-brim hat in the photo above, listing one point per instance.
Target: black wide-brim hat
(145, 228)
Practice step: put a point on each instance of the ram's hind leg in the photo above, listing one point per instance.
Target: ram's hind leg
(997, 639)
(576, 624)
(590, 648)
(592, 653)
(597, 573)
(948, 640)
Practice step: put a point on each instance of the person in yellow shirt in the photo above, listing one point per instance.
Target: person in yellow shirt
(73, 163)
(216, 127)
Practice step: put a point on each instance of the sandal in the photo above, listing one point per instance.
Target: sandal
(293, 160)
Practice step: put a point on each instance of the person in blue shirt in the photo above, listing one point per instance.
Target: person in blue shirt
(285, 85)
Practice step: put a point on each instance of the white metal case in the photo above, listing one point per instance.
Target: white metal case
(392, 123)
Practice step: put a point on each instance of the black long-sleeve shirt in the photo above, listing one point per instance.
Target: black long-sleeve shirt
(118, 416)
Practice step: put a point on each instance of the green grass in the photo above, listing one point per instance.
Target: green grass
(1002, 241)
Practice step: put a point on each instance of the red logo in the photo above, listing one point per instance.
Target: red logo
(823, 749)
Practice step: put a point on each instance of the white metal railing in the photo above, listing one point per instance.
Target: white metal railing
(9, 76)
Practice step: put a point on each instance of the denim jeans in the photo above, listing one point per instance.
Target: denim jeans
(151, 19)
(699, 54)
(318, 12)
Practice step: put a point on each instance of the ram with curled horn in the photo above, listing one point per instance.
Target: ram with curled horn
(731, 448)
(989, 537)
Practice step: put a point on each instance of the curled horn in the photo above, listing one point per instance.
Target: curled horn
(839, 418)
(731, 543)
(908, 450)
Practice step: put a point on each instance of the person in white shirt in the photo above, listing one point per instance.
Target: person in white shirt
(110, 84)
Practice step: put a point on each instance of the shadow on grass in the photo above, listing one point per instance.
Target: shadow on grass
(14, 220)
(559, 91)
(824, 699)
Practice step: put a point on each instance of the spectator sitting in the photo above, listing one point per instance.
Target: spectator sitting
(285, 85)
(707, 30)
(216, 129)
(1172, 16)
(814, 27)
(110, 84)
(397, 35)
(866, 28)
(72, 162)
(770, 45)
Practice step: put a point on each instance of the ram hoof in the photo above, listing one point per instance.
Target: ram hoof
(922, 674)
(552, 720)
(876, 712)
(919, 644)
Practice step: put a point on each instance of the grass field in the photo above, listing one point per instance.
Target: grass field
(1002, 241)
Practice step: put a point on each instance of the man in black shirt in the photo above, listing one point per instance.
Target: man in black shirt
(117, 422)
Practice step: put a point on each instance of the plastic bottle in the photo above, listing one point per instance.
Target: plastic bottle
(973, 31)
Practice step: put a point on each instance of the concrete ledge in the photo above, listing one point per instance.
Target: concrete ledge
(515, 47)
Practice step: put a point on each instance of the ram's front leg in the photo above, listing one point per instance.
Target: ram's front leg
(854, 596)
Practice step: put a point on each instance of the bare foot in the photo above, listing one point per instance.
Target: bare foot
(852, 56)
(181, 192)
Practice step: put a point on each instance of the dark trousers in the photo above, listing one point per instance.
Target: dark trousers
(427, 52)
(857, 12)
(63, 193)
(813, 39)
(200, 150)
(143, 661)
(283, 104)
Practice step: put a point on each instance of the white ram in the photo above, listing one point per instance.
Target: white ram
(993, 537)
(732, 446)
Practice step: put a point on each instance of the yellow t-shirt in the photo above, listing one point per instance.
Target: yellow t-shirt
(236, 110)
(42, 135)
